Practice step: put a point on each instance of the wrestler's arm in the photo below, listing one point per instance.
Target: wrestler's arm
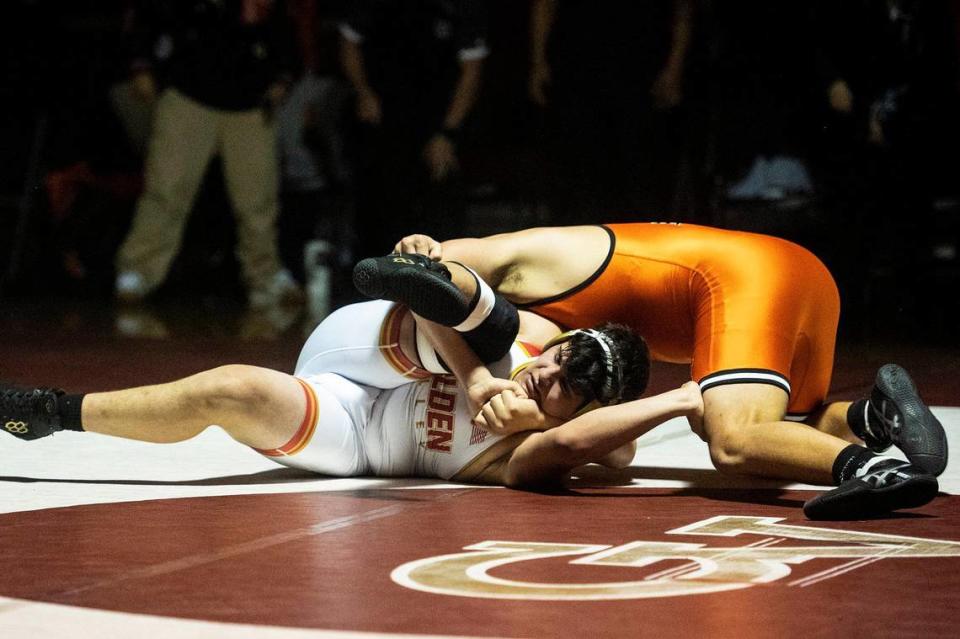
(491, 257)
(620, 457)
(548, 456)
(481, 385)
(494, 257)
(502, 406)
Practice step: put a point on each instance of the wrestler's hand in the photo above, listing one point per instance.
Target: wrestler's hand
(482, 391)
(422, 244)
(508, 413)
(695, 413)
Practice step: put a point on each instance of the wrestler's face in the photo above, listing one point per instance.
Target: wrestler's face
(543, 381)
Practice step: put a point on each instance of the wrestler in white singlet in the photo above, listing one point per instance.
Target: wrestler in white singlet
(412, 428)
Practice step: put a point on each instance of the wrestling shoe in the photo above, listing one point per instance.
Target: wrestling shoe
(130, 287)
(416, 281)
(29, 413)
(898, 416)
(891, 484)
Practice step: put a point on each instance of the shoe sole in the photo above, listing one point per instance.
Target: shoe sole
(872, 502)
(426, 293)
(921, 436)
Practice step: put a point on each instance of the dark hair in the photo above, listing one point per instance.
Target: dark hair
(585, 371)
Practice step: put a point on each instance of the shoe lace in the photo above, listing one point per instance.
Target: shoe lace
(431, 265)
(14, 401)
(20, 401)
(437, 267)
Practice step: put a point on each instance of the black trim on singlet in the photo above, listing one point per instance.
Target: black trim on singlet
(713, 380)
(584, 284)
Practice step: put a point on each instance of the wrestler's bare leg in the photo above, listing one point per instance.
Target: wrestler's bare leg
(832, 420)
(744, 427)
(258, 407)
(462, 278)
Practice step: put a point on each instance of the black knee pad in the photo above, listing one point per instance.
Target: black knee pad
(493, 338)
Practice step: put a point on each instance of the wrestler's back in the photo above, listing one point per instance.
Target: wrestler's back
(664, 280)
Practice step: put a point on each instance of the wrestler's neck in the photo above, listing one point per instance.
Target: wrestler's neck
(535, 329)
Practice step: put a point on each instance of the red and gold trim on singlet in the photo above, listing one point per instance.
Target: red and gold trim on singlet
(303, 435)
(532, 351)
(390, 346)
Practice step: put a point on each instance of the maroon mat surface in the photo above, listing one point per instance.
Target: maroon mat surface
(324, 560)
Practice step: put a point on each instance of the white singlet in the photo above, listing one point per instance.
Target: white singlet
(362, 343)
(416, 429)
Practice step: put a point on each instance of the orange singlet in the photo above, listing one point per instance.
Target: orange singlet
(740, 307)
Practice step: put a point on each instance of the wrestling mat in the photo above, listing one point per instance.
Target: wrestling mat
(110, 538)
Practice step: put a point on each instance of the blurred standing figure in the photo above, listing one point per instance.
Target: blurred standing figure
(309, 123)
(611, 76)
(415, 66)
(890, 103)
(224, 63)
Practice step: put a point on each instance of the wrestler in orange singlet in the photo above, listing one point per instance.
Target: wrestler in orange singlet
(756, 317)
(740, 307)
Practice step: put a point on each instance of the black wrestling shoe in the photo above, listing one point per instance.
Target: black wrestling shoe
(890, 485)
(898, 416)
(416, 281)
(29, 413)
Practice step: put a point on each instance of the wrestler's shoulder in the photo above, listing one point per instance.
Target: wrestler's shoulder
(554, 240)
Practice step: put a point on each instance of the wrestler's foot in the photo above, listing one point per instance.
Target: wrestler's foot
(415, 280)
(29, 413)
(898, 416)
(889, 485)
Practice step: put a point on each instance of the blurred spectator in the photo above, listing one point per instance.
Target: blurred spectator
(309, 126)
(415, 66)
(611, 77)
(890, 88)
(887, 71)
(762, 91)
(220, 69)
(317, 208)
(88, 171)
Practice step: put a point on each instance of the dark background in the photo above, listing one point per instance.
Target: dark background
(885, 218)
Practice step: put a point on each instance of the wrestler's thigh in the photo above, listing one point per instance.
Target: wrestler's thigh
(727, 407)
(364, 342)
(260, 407)
(330, 439)
(350, 327)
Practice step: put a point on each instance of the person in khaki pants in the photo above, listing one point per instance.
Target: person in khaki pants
(222, 86)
